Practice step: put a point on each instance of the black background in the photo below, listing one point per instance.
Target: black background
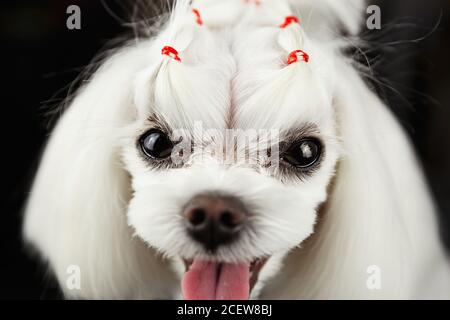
(41, 57)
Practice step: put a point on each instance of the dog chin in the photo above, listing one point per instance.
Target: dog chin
(206, 278)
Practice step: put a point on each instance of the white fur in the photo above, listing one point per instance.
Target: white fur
(95, 203)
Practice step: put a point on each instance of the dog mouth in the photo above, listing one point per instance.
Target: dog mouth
(211, 280)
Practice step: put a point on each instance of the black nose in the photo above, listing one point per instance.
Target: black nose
(214, 220)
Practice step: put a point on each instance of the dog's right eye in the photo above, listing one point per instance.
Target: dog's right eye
(156, 144)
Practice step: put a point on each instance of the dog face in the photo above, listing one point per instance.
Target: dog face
(230, 157)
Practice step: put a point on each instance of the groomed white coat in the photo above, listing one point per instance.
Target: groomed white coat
(97, 205)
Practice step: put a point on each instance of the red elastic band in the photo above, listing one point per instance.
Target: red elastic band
(197, 16)
(294, 55)
(257, 2)
(171, 52)
(289, 20)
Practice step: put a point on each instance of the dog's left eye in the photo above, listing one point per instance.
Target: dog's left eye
(156, 144)
(303, 154)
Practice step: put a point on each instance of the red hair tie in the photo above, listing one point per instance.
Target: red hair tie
(197, 16)
(257, 2)
(289, 20)
(295, 55)
(170, 52)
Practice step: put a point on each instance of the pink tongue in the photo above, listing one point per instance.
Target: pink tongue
(206, 280)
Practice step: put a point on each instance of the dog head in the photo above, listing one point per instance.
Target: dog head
(208, 148)
(232, 151)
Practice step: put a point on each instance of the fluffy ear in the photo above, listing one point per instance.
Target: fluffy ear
(378, 227)
(77, 211)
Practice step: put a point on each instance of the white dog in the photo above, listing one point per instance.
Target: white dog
(134, 191)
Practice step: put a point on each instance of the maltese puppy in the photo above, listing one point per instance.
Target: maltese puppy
(236, 153)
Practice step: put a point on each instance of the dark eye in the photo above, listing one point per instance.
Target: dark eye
(156, 144)
(304, 153)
